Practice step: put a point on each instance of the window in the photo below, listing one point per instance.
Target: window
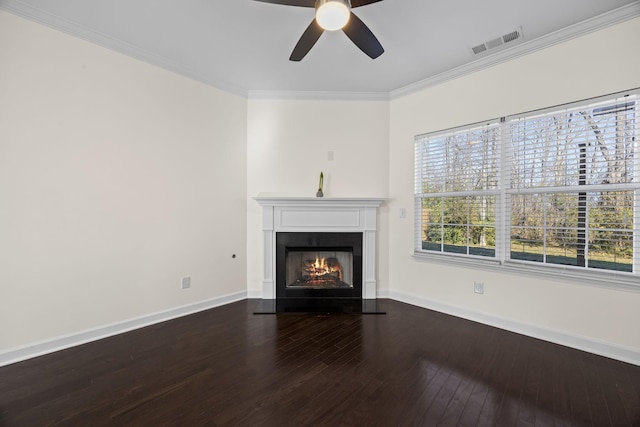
(548, 189)
(456, 188)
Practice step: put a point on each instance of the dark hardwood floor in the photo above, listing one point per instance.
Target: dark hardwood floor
(410, 367)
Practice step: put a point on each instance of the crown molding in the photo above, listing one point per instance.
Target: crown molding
(21, 9)
(624, 13)
(587, 26)
(318, 95)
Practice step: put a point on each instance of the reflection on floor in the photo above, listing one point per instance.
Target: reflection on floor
(318, 305)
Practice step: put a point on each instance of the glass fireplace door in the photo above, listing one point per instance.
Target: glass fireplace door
(319, 269)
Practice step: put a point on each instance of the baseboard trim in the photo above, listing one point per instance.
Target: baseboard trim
(19, 354)
(624, 354)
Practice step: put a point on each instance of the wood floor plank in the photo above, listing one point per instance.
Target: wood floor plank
(527, 410)
(596, 394)
(427, 398)
(410, 367)
(579, 398)
(453, 412)
(618, 373)
(561, 392)
(473, 406)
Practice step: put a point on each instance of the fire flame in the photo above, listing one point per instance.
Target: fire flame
(320, 267)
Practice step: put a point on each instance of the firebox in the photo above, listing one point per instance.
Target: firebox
(318, 265)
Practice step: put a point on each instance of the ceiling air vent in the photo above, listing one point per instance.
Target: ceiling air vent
(479, 49)
(514, 35)
(499, 41)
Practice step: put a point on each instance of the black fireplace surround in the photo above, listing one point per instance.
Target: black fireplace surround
(348, 246)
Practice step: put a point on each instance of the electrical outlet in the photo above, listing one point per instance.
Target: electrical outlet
(185, 282)
(478, 287)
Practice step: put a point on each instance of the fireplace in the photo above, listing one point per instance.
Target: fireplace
(318, 265)
(340, 230)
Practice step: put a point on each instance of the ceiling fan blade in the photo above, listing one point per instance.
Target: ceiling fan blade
(306, 42)
(301, 3)
(362, 37)
(358, 3)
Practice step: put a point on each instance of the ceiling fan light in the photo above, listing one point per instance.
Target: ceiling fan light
(332, 15)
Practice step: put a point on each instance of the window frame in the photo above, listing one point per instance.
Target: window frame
(448, 193)
(502, 262)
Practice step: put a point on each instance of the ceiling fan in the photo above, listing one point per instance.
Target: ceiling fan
(332, 15)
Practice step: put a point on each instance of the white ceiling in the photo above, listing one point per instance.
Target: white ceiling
(243, 45)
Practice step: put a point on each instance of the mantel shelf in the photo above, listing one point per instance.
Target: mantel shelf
(280, 200)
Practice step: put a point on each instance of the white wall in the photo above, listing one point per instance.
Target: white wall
(603, 62)
(287, 146)
(116, 179)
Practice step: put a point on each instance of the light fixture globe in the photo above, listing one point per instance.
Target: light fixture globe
(332, 15)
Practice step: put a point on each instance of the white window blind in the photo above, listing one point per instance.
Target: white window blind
(554, 188)
(572, 186)
(457, 181)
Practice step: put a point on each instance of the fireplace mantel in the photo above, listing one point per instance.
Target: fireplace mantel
(320, 214)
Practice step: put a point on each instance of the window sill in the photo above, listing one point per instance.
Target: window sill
(601, 278)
